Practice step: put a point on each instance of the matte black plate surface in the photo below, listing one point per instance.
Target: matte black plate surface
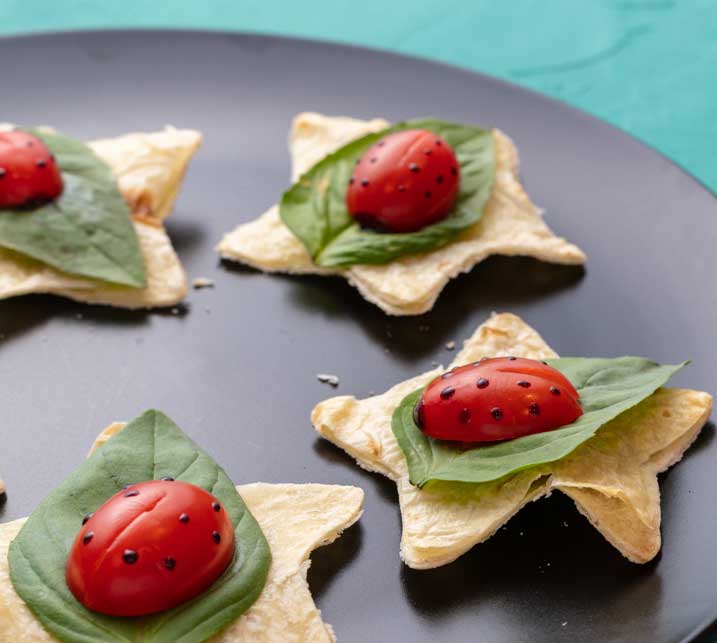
(237, 368)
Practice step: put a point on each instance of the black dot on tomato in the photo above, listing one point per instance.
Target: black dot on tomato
(534, 409)
(427, 152)
(555, 390)
(464, 416)
(216, 506)
(130, 494)
(352, 180)
(428, 195)
(87, 537)
(454, 171)
(170, 563)
(183, 518)
(374, 159)
(482, 382)
(381, 143)
(130, 556)
(439, 179)
(41, 163)
(401, 188)
(439, 142)
(364, 183)
(523, 383)
(29, 144)
(496, 413)
(414, 167)
(512, 359)
(86, 518)
(447, 393)
(2, 172)
(168, 479)
(216, 537)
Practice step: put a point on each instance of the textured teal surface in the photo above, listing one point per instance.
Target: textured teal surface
(647, 66)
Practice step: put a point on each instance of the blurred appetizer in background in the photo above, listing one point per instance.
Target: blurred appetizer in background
(150, 540)
(511, 422)
(85, 221)
(397, 210)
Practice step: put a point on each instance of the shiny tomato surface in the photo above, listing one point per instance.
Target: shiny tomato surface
(497, 399)
(404, 182)
(150, 547)
(28, 172)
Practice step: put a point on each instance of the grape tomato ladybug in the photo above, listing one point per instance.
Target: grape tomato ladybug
(150, 547)
(29, 174)
(497, 399)
(407, 180)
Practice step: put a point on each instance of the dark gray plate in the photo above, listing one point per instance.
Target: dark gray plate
(237, 368)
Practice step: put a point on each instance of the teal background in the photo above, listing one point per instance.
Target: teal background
(647, 66)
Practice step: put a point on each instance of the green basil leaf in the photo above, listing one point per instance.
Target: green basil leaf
(88, 230)
(314, 208)
(149, 447)
(607, 387)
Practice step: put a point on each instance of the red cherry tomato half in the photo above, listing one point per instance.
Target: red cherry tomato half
(404, 182)
(150, 547)
(497, 399)
(28, 171)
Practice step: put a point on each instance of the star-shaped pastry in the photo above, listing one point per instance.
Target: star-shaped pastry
(612, 477)
(295, 519)
(511, 225)
(149, 168)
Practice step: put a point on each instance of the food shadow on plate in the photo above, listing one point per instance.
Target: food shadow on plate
(333, 559)
(186, 235)
(538, 558)
(498, 283)
(22, 314)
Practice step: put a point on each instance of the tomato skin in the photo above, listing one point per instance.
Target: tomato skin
(28, 171)
(150, 547)
(497, 399)
(404, 182)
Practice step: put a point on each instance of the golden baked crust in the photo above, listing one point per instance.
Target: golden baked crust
(149, 168)
(510, 225)
(295, 518)
(612, 477)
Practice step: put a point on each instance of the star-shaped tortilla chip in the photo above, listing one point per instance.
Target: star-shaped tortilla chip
(149, 168)
(510, 225)
(612, 477)
(295, 519)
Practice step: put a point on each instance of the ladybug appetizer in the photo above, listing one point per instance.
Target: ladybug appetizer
(28, 172)
(150, 547)
(497, 399)
(404, 182)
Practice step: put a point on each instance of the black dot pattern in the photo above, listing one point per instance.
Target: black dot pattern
(130, 556)
(447, 393)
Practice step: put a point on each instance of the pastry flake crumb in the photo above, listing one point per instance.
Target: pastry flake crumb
(327, 378)
(202, 282)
